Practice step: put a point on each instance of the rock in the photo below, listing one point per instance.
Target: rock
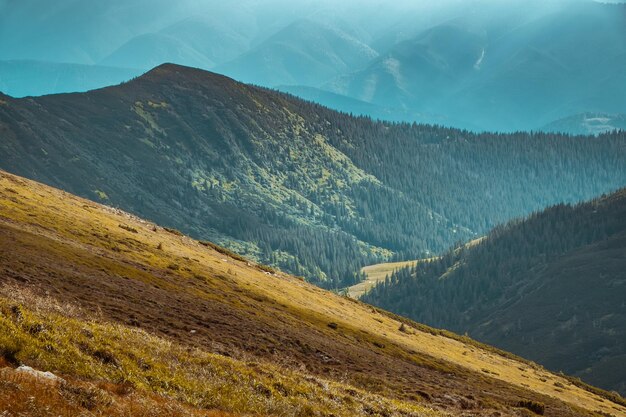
(39, 374)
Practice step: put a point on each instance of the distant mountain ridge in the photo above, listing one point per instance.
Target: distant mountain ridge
(588, 124)
(550, 287)
(479, 65)
(290, 183)
(30, 78)
(303, 53)
(504, 73)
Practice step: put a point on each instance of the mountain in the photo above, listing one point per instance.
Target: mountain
(303, 53)
(289, 183)
(588, 124)
(30, 78)
(149, 50)
(550, 288)
(479, 65)
(197, 42)
(108, 314)
(78, 31)
(216, 39)
(504, 70)
(417, 70)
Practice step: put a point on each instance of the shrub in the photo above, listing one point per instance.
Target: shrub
(535, 407)
(173, 231)
(10, 347)
(128, 228)
(405, 329)
(266, 268)
(222, 250)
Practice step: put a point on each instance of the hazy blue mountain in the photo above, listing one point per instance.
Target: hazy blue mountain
(198, 41)
(477, 64)
(566, 63)
(31, 78)
(217, 40)
(588, 124)
(357, 107)
(509, 73)
(79, 31)
(149, 50)
(305, 52)
(418, 70)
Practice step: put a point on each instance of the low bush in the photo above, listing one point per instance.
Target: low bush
(128, 228)
(222, 250)
(535, 407)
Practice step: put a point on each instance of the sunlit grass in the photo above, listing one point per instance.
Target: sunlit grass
(62, 339)
(101, 238)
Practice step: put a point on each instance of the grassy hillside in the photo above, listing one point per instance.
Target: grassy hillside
(212, 331)
(550, 288)
(311, 191)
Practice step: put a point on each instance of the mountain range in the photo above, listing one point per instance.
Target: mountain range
(550, 287)
(289, 183)
(480, 65)
(30, 78)
(320, 208)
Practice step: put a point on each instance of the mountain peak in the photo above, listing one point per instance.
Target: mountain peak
(169, 71)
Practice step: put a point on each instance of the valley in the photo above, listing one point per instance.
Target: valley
(313, 208)
(376, 274)
(549, 287)
(95, 276)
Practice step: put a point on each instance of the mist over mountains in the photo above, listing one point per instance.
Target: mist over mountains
(480, 65)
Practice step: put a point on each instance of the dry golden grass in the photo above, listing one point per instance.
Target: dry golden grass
(25, 395)
(88, 236)
(116, 370)
(375, 274)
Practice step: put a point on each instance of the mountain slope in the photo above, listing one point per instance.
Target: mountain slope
(292, 184)
(216, 332)
(550, 288)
